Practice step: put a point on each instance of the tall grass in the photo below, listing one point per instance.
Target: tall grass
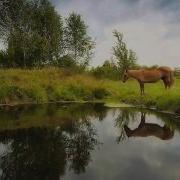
(48, 85)
(53, 84)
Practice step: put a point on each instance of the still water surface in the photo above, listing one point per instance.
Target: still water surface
(86, 142)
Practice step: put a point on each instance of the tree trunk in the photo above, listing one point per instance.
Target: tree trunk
(24, 58)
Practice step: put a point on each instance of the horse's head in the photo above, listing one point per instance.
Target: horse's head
(125, 76)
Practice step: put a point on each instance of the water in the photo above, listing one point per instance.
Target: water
(76, 141)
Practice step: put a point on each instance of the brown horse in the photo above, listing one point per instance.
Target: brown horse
(150, 76)
(149, 129)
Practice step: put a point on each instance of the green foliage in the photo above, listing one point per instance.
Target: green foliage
(66, 62)
(108, 70)
(33, 32)
(147, 67)
(4, 59)
(78, 44)
(48, 26)
(35, 36)
(126, 58)
(100, 93)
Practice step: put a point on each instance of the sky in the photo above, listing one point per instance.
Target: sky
(150, 27)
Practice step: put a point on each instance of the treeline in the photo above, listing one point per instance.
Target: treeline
(35, 35)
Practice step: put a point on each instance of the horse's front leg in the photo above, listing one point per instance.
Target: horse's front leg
(141, 87)
(143, 118)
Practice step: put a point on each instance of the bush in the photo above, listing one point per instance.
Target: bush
(108, 70)
(66, 62)
(99, 93)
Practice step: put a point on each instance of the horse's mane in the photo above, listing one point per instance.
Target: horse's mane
(165, 69)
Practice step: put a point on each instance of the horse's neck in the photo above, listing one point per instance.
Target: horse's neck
(133, 73)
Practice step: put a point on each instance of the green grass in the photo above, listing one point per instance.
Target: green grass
(155, 95)
(52, 84)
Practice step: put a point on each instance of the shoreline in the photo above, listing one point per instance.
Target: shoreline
(105, 103)
(22, 87)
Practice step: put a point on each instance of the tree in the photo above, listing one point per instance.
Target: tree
(66, 62)
(108, 70)
(3, 59)
(126, 58)
(34, 35)
(32, 30)
(48, 28)
(78, 43)
(10, 15)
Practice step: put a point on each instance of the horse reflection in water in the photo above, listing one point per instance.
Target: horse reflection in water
(149, 129)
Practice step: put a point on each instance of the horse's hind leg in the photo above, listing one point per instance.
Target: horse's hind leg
(165, 83)
(140, 88)
(128, 131)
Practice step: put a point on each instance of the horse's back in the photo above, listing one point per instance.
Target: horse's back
(150, 75)
(165, 69)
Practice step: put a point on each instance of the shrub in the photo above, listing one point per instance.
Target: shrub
(99, 93)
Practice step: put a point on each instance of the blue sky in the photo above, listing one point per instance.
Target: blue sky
(150, 27)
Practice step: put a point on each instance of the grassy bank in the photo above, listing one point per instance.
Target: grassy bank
(156, 96)
(23, 86)
(50, 85)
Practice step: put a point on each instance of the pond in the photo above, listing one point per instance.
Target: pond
(88, 141)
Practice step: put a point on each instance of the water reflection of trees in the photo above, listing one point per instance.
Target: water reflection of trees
(35, 153)
(124, 117)
(44, 142)
(48, 152)
(47, 114)
(43, 153)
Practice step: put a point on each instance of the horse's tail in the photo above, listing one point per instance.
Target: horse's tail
(170, 73)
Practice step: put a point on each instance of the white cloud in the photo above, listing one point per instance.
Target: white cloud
(151, 28)
(150, 39)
